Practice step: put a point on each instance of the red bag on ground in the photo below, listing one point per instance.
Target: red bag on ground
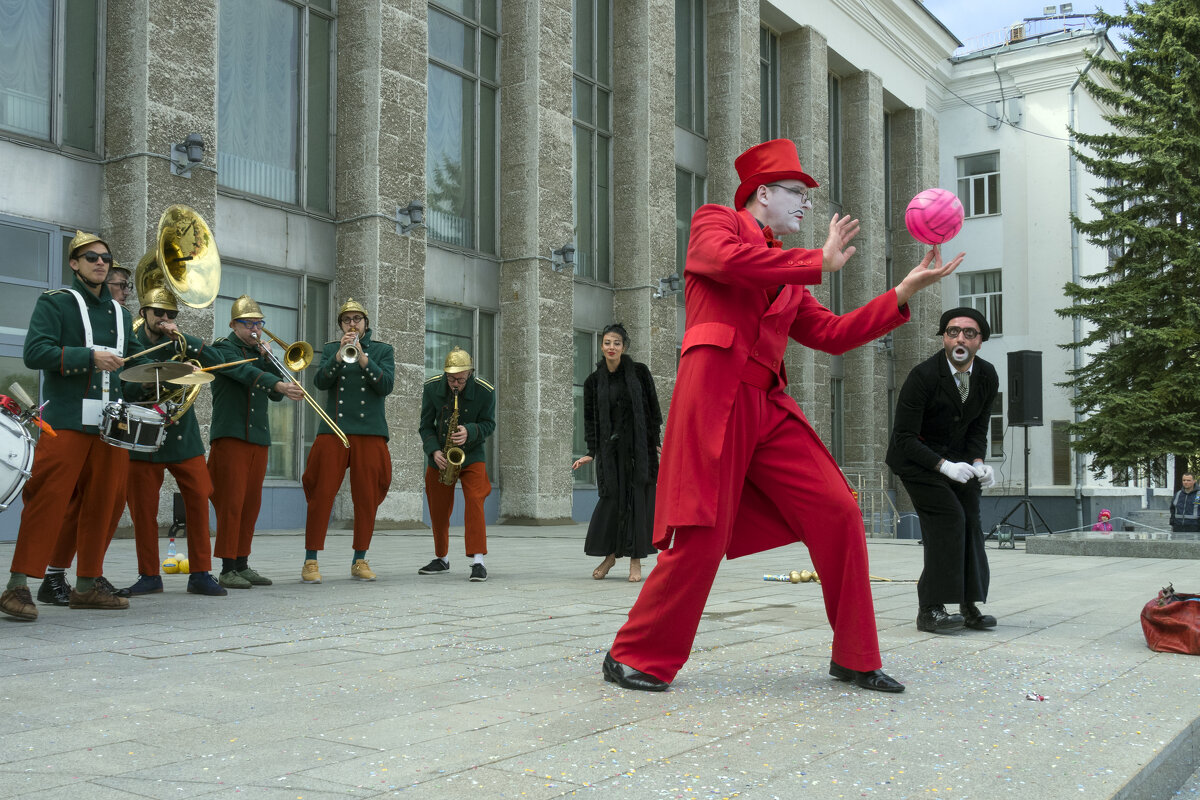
(1171, 622)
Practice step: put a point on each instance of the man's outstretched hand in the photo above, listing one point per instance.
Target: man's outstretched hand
(928, 272)
(837, 251)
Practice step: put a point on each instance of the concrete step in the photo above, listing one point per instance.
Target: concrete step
(1154, 518)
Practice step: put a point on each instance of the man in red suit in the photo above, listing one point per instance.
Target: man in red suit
(742, 470)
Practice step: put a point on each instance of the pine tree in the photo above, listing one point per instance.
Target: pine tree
(1139, 388)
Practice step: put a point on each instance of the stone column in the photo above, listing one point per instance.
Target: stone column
(644, 171)
(733, 91)
(382, 60)
(535, 417)
(864, 277)
(804, 110)
(914, 161)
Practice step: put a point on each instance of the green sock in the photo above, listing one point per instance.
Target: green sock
(358, 554)
(17, 579)
(84, 585)
(310, 555)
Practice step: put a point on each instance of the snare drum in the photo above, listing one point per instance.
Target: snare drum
(16, 459)
(132, 427)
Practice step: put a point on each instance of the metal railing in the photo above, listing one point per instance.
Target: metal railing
(880, 516)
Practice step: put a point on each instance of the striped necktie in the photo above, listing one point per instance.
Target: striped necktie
(964, 384)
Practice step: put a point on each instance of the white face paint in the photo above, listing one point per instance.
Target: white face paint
(960, 355)
(803, 208)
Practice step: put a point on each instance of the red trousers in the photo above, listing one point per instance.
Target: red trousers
(783, 464)
(64, 546)
(475, 486)
(145, 481)
(70, 463)
(370, 466)
(237, 469)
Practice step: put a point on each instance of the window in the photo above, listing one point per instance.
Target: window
(474, 331)
(997, 427)
(690, 104)
(587, 354)
(768, 72)
(982, 292)
(30, 267)
(463, 140)
(275, 100)
(281, 298)
(979, 184)
(837, 411)
(592, 112)
(34, 50)
(1060, 452)
(689, 195)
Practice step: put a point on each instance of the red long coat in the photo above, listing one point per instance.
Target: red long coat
(730, 270)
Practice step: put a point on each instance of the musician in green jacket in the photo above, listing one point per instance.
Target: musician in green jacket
(356, 374)
(475, 401)
(239, 439)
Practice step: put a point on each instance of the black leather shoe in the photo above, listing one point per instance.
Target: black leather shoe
(55, 591)
(876, 680)
(935, 619)
(976, 619)
(629, 678)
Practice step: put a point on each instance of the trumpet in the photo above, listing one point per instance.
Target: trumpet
(300, 355)
(349, 352)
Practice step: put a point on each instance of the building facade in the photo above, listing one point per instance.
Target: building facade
(496, 174)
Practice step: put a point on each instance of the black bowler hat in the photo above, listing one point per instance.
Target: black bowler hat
(985, 330)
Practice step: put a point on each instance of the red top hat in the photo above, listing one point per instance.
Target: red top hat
(765, 163)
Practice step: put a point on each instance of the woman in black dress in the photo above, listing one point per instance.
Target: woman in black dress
(622, 421)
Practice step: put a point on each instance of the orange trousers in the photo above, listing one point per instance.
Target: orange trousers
(237, 470)
(70, 463)
(475, 486)
(370, 466)
(64, 546)
(145, 481)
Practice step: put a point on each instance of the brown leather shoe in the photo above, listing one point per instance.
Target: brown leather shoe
(18, 603)
(97, 598)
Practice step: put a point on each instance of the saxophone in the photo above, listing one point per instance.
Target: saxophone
(454, 454)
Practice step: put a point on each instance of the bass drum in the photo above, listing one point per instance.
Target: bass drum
(16, 459)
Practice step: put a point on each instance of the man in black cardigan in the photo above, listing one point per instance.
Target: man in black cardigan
(938, 444)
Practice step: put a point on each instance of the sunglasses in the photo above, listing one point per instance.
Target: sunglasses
(94, 257)
(168, 314)
(251, 323)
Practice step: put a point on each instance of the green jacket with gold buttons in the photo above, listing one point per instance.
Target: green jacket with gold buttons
(241, 393)
(182, 439)
(55, 344)
(476, 413)
(354, 395)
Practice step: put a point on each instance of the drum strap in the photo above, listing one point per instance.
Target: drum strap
(93, 409)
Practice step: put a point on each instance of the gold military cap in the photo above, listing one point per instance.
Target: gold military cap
(159, 298)
(458, 360)
(351, 305)
(82, 239)
(245, 308)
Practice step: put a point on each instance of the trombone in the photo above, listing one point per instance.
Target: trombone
(297, 356)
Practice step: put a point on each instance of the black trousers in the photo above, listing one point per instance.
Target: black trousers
(956, 566)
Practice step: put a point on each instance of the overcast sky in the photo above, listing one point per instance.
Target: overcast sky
(967, 19)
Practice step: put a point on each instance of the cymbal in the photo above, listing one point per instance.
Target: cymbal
(158, 370)
(193, 379)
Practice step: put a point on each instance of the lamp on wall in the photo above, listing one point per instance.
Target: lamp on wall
(187, 154)
(563, 257)
(669, 285)
(412, 216)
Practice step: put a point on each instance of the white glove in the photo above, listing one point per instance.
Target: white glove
(986, 475)
(957, 471)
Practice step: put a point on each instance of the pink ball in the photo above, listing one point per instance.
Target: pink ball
(934, 216)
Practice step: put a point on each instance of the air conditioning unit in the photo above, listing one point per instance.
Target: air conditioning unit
(1016, 32)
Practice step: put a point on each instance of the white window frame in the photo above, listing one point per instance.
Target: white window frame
(984, 184)
(990, 303)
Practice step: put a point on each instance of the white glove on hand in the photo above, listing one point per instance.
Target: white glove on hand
(957, 471)
(986, 475)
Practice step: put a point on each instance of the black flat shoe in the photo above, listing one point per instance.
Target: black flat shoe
(935, 619)
(975, 619)
(627, 677)
(876, 680)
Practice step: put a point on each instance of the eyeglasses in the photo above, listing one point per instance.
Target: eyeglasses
(353, 320)
(123, 285)
(168, 314)
(252, 323)
(799, 194)
(968, 333)
(93, 257)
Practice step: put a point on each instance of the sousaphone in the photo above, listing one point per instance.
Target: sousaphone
(185, 262)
